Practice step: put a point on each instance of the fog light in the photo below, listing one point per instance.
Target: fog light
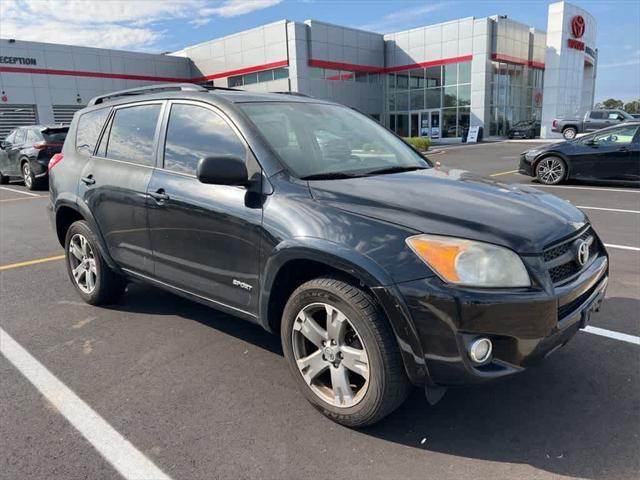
(480, 350)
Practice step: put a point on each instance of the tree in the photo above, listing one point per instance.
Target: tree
(610, 104)
(632, 107)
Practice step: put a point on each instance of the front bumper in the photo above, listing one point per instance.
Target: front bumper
(526, 166)
(524, 325)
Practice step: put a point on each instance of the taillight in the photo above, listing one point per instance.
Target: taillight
(56, 159)
(43, 145)
(554, 124)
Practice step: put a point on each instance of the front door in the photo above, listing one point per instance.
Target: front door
(607, 156)
(430, 124)
(114, 183)
(7, 165)
(205, 238)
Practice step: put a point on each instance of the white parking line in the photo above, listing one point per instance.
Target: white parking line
(622, 247)
(117, 450)
(569, 187)
(19, 191)
(623, 337)
(609, 209)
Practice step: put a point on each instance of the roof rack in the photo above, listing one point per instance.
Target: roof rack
(165, 87)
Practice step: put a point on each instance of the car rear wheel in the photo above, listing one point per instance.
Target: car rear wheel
(96, 283)
(342, 352)
(551, 170)
(569, 133)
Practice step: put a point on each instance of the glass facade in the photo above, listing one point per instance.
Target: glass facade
(516, 95)
(445, 88)
(344, 75)
(259, 77)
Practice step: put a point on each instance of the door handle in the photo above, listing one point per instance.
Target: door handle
(159, 195)
(624, 149)
(88, 180)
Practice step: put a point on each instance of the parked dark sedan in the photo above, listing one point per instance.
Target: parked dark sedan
(611, 154)
(524, 129)
(26, 152)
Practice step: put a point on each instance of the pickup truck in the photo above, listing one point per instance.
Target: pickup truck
(593, 120)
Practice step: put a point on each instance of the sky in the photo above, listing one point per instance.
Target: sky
(165, 26)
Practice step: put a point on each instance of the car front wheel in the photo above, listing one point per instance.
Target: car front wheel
(551, 170)
(28, 176)
(96, 283)
(342, 352)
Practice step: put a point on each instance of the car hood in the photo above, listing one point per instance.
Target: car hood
(457, 203)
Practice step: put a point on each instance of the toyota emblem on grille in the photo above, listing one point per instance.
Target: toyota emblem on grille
(583, 252)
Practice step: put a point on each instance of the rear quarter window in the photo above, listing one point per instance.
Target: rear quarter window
(597, 115)
(88, 130)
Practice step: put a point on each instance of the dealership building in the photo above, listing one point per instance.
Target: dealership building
(433, 81)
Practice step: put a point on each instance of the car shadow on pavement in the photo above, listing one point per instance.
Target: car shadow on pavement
(576, 414)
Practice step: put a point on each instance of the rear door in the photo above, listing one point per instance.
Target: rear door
(114, 182)
(13, 150)
(205, 237)
(595, 121)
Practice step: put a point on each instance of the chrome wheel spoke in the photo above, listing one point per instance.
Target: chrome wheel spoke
(355, 360)
(336, 323)
(74, 249)
(312, 365)
(83, 264)
(341, 386)
(308, 327)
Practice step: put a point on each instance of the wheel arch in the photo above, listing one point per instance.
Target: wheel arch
(295, 262)
(67, 212)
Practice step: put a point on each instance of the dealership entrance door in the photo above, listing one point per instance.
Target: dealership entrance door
(430, 123)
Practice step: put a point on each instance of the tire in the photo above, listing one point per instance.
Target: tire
(3, 179)
(569, 133)
(370, 393)
(551, 170)
(30, 180)
(96, 283)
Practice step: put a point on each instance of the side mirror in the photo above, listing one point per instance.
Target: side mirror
(591, 142)
(3, 145)
(222, 170)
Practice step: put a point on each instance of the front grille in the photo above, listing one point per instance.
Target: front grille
(561, 260)
(568, 308)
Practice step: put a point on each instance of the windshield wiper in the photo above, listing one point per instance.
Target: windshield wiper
(330, 176)
(395, 169)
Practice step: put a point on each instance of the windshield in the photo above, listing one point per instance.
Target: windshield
(330, 141)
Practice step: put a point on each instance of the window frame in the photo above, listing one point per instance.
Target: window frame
(164, 125)
(106, 130)
(100, 134)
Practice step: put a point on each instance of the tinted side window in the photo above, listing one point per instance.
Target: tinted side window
(132, 133)
(11, 137)
(33, 137)
(88, 130)
(21, 136)
(615, 116)
(196, 132)
(617, 136)
(597, 115)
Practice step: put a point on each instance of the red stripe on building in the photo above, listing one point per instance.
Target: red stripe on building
(150, 78)
(80, 73)
(243, 71)
(433, 63)
(499, 57)
(367, 68)
(344, 66)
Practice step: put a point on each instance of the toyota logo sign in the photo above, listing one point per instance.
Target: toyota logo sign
(582, 255)
(577, 26)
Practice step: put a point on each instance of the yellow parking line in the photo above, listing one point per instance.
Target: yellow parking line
(503, 173)
(28, 263)
(22, 198)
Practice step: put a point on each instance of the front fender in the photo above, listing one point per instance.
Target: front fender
(369, 273)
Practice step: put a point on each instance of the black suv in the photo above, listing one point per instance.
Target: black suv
(26, 153)
(312, 220)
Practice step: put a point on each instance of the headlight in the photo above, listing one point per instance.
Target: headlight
(470, 263)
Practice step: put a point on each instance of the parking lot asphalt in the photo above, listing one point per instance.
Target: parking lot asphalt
(203, 395)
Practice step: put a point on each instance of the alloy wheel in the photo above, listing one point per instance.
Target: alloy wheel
(569, 134)
(330, 355)
(83, 263)
(26, 174)
(550, 170)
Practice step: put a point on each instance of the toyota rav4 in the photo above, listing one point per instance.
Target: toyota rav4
(378, 270)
